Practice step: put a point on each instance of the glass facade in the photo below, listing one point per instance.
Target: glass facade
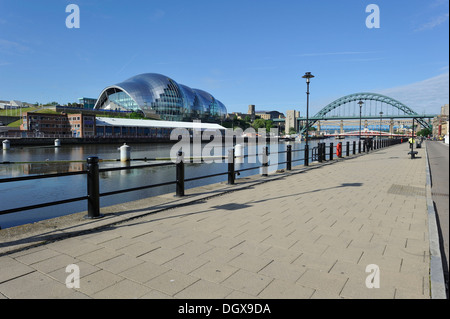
(156, 94)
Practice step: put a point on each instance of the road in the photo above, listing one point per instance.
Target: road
(438, 154)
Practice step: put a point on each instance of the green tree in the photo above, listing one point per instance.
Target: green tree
(259, 123)
(424, 132)
(292, 131)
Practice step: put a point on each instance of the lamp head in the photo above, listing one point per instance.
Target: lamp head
(308, 76)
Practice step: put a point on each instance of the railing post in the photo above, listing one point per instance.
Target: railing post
(265, 161)
(231, 173)
(331, 151)
(289, 157)
(306, 155)
(319, 153)
(180, 174)
(347, 151)
(93, 188)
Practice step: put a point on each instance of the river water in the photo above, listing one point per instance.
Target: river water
(33, 160)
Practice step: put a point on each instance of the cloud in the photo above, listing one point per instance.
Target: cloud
(12, 47)
(332, 53)
(425, 96)
(436, 21)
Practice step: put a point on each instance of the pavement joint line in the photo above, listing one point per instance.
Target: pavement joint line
(437, 281)
(185, 201)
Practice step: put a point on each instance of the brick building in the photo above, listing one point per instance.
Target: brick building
(60, 125)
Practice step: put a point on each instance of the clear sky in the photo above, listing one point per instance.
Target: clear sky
(241, 51)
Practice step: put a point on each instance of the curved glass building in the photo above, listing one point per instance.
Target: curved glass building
(159, 96)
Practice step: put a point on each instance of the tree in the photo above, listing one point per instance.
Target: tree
(292, 131)
(269, 125)
(424, 132)
(259, 123)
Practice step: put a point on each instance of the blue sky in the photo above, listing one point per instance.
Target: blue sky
(242, 52)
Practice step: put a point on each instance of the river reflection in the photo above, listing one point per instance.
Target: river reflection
(49, 160)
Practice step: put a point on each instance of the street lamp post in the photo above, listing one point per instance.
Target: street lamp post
(308, 76)
(360, 116)
(381, 118)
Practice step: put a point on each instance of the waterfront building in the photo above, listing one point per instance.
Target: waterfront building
(61, 125)
(440, 123)
(120, 127)
(64, 125)
(160, 97)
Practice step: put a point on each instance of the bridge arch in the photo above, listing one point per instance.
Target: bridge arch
(365, 97)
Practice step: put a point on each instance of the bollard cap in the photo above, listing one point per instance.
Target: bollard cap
(92, 160)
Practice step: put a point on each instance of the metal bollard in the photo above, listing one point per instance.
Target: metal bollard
(359, 147)
(125, 153)
(180, 175)
(6, 144)
(231, 173)
(322, 152)
(306, 155)
(289, 157)
(354, 147)
(347, 151)
(331, 151)
(319, 153)
(265, 161)
(93, 189)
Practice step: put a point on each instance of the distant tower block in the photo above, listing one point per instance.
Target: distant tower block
(291, 121)
(251, 112)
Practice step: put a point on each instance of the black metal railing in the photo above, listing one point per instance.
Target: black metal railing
(320, 153)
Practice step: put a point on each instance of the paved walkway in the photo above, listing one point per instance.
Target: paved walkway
(305, 234)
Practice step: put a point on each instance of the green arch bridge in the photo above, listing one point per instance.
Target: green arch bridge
(393, 106)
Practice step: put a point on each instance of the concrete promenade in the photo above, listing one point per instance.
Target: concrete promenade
(309, 233)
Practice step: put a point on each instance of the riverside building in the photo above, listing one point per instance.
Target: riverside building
(82, 125)
(160, 97)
